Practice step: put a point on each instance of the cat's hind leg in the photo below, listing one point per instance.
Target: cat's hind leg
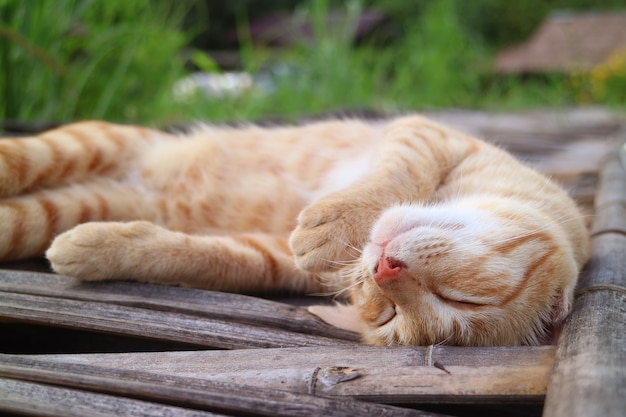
(143, 251)
(70, 153)
(28, 223)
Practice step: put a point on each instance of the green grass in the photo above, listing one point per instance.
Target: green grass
(72, 59)
(436, 64)
(117, 60)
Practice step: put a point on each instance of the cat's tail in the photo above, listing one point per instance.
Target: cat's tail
(69, 153)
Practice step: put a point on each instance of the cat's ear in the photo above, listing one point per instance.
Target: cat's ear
(343, 316)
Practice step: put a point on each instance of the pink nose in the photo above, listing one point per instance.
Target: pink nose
(387, 270)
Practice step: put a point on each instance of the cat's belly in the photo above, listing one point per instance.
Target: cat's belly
(270, 200)
(259, 203)
(198, 186)
(343, 174)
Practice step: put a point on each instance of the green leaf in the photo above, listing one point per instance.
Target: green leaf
(204, 62)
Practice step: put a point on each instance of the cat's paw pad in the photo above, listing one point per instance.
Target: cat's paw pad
(329, 233)
(97, 251)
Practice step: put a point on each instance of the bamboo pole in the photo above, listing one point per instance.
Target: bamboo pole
(207, 304)
(27, 398)
(220, 397)
(589, 377)
(203, 318)
(400, 375)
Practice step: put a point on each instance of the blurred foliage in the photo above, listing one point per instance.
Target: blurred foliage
(224, 16)
(118, 59)
(605, 83)
(72, 59)
(497, 22)
(501, 23)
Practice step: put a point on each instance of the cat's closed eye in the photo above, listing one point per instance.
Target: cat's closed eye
(457, 302)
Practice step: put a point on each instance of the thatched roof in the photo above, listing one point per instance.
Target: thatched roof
(567, 42)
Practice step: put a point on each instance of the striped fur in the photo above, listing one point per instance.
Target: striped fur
(435, 236)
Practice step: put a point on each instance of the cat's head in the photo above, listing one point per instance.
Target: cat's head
(474, 272)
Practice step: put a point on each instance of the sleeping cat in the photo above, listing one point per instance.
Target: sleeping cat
(434, 236)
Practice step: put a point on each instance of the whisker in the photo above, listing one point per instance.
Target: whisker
(334, 262)
(354, 253)
(339, 293)
(444, 341)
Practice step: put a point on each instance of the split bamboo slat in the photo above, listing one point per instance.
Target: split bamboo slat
(27, 398)
(220, 397)
(398, 375)
(368, 373)
(203, 318)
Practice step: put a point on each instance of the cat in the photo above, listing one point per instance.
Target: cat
(432, 235)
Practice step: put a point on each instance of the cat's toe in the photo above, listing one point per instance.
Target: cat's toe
(326, 237)
(71, 254)
(95, 251)
(310, 248)
(318, 215)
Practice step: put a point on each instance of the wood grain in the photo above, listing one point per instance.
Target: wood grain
(402, 375)
(589, 377)
(26, 398)
(191, 392)
(151, 324)
(206, 304)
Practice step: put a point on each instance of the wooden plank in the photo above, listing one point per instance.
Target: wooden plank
(401, 375)
(191, 392)
(206, 304)
(151, 324)
(26, 398)
(589, 375)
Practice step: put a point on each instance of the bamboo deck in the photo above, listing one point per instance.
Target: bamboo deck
(121, 349)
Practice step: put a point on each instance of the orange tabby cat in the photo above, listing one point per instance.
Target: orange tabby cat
(436, 236)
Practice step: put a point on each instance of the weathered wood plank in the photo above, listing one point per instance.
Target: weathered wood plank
(206, 304)
(151, 324)
(26, 398)
(403, 375)
(589, 376)
(191, 392)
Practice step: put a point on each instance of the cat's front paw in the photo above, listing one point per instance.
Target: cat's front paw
(329, 233)
(98, 251)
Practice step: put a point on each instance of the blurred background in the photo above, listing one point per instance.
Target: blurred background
(165, 62)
